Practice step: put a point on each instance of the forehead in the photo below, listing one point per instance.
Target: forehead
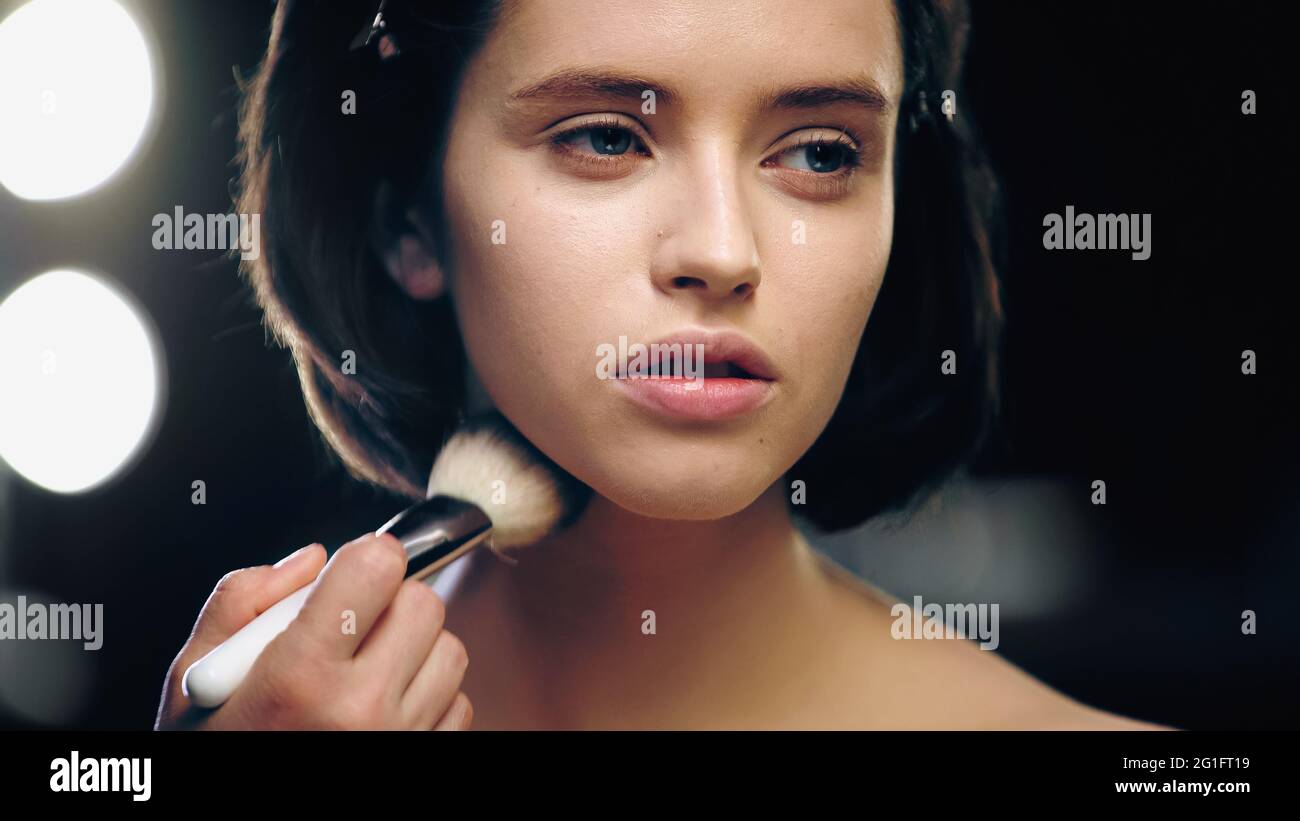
(711, 51)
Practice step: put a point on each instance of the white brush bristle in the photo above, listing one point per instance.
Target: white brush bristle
(518, 494)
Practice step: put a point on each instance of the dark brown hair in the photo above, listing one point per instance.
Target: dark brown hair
(313, 173)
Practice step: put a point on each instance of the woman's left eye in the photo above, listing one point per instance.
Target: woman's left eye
(820, 157)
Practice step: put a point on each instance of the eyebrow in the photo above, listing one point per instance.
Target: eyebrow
(593, 83)
(597, 83)
(859, 91)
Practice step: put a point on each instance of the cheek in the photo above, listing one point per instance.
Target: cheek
(539, 278)
(514, 285)
(826, 298)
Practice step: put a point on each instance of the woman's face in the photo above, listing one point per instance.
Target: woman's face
(751, 191)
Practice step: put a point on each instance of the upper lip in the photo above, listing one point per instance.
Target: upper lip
(725, 345)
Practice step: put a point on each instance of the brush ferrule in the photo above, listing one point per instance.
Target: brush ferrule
(436, 532)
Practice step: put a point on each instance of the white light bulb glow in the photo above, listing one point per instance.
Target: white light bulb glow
(76, 95)
(80, 382)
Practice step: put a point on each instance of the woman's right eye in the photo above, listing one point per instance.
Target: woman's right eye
(603, 148)
(602, 140)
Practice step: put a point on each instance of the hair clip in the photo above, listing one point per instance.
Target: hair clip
(378, 32)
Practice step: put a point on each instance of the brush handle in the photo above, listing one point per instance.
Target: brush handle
(210, 680)
(434, 532)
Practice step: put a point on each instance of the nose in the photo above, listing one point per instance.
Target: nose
(707, 247)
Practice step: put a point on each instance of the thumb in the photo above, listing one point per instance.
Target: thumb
(243, 595)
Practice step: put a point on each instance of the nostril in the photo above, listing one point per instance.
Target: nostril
(684, 281)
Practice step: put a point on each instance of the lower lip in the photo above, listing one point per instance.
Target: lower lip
(720, 398)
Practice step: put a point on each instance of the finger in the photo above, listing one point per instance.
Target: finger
(459, 715)
(238, 598)
(404, 635)
(242, 595)
(355, 587)
(434, 687)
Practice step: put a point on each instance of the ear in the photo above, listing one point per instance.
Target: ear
(406, 247)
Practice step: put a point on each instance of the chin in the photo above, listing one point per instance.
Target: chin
(683, 491)
(701, 507)
(655, 473)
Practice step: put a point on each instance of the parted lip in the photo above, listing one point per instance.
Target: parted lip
(727, 345)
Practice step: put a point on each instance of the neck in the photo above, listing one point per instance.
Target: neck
(601, 613)
(611, 556)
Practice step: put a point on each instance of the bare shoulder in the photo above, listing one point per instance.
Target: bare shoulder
(1081, 717)
(945, 683)
(1016, 700)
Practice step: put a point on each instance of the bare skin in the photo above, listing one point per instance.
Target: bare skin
(754, 630)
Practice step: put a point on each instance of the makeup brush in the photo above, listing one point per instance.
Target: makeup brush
(488, 485)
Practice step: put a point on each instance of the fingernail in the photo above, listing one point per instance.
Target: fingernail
(395, 542)
(297, 554)
(361, 538)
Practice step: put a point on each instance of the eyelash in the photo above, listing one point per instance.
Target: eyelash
(827, 184)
